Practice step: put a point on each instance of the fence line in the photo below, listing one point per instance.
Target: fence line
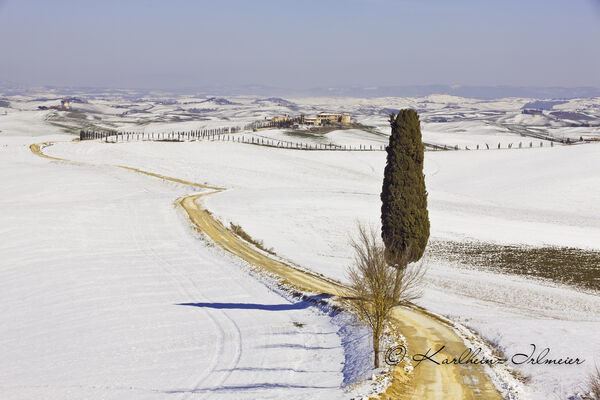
(520, 145)
(228, 135)
(215, 135)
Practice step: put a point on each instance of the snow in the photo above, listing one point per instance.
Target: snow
(109, 294)
(25, 123)
(474, 133)
(512, 313)
(304, 205)
(351, 138)
(273, 189)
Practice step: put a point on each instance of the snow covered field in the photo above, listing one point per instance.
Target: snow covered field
(305, 204)
(92, 280)
(552, 203)
(337, 138)
(109, 294)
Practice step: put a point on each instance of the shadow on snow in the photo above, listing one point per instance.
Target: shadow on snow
(307, 302)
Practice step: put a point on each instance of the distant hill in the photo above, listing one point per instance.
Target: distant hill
(543, 105)
(269, 92)
(220, 101)
(275, 100)
(477, 92)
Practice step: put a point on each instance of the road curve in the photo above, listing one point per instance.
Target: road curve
(422, 330)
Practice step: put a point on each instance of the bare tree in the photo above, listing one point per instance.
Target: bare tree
(377, 286)
(593, 386)
(408, 280)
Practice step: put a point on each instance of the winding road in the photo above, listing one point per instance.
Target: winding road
(423, 331)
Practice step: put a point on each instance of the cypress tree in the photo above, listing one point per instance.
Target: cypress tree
(404, 216)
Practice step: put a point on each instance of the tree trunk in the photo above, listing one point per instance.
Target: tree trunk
(399, 276)
(376, 348)
(397, 283)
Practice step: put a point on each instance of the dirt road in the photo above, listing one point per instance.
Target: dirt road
(423, 331)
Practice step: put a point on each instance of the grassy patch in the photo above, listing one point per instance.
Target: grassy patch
(572, 266)
(368, 128)
(322, 130)
(73, 121)
(304, 133)
(75, 115)
(242, 233)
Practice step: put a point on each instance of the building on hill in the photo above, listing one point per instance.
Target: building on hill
(308, 121)
(325, 118)
(65, 105)
(281, 118)
(321, 119)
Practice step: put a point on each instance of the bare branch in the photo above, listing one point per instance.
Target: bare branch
(592, 390)
(378, 285)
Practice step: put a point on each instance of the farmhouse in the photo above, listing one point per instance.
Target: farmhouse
(322, 118)
(326, 118)
(281, 118)
(65, 105)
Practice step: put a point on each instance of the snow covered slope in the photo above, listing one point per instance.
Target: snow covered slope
(90, 292)
(531, 196)
(107, 293)
(305, 204)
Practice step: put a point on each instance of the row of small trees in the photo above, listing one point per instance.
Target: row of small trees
(126, 136)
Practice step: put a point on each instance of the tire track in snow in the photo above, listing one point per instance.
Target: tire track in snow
(182, 281)
(230, 349)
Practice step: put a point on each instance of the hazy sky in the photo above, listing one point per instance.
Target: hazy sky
(300, 43)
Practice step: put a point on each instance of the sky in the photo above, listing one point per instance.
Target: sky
(180, 44)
